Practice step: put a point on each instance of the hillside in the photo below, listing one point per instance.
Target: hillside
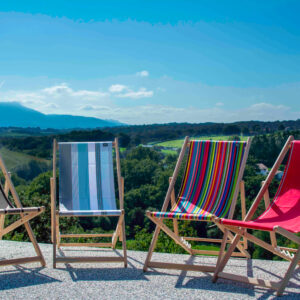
(14, 114)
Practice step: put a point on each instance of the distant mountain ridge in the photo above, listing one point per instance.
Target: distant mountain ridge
(13, 114)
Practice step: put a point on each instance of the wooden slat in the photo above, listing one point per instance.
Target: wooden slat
(19, 205)
(231, 237)
(79, 235)
(117, 231)
(250, 280)
(267, 203)
(86, 259)
(119, 174)
(170, 233)
(19, 222)
(269, 179)
(173, 203)
(293, 237)
(243, 206)
(288, 249)
(260, 243)
(85, 244)
(17, 261)
(213, 252)
(184, 267)
(166, 201)
(209, 240)
(240, 177)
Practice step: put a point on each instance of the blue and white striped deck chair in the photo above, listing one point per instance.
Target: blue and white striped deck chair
(87, 189)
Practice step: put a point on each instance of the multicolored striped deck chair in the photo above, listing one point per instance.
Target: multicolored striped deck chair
(209, 190)
(26, 214)
(86, 189)
(282, 216)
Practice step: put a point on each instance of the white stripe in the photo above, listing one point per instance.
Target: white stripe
(92, 176)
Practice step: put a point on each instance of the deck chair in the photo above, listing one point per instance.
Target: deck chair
(86, 189)
(282, 216)
(210, 187)
(25, 213)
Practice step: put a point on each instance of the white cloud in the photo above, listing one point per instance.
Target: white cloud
(117, 88)
(141, 93)
(63, 90)
(143, 73)
(2, 83)
(148, 114)
(219, 104)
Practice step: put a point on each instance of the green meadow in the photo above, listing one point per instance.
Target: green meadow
(178, 143)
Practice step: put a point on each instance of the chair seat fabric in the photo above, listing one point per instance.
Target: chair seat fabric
(284, 211)
(90, 212)
(203, 215)
(86, 179)
(210, 180)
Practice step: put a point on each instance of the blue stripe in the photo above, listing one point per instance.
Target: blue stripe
(83, 177)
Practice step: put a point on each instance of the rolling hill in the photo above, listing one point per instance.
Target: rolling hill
(14, 114)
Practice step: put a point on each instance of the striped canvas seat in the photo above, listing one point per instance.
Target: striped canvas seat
(209, 182)
(86, 181)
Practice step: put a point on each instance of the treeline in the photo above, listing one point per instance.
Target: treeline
(146, 173)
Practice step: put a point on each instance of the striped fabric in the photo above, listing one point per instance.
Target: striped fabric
(209, 182)
(86, 181)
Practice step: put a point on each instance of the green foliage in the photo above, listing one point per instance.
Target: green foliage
(146, 173)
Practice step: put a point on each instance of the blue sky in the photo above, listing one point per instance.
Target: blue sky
(153, 61)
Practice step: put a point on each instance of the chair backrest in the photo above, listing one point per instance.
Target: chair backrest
(86, 177)
(286, 203)
(211, 177)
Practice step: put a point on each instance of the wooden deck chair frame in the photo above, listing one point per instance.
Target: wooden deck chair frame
(183, 241)
(273, 247)
(26, 214)
(119, 232)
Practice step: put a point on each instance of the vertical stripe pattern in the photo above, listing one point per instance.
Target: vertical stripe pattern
(86, 181)
(210, 180)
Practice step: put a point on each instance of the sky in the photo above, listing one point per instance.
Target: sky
(143, 62)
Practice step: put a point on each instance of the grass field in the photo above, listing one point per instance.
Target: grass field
(167, 151)
(178, 143)
(13, 159)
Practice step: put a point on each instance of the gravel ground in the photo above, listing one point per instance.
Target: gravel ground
(110, 281)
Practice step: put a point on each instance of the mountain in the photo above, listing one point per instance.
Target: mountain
(13, 114)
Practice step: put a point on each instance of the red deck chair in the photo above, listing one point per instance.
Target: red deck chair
(282, 216)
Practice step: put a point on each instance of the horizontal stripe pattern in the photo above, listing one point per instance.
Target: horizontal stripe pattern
(86, 178)
(209, 182)
(91, 213)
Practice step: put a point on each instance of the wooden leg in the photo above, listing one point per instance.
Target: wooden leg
(2, 220)
(223, 246)
(243, 207)
(289, 273)
(180, 241)
(222, 263)
(54, 228)
(151, 248)
(118, 232)
(57, 230)
(35, 244)
(175, 226)
(124, 243)
(231, 236)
